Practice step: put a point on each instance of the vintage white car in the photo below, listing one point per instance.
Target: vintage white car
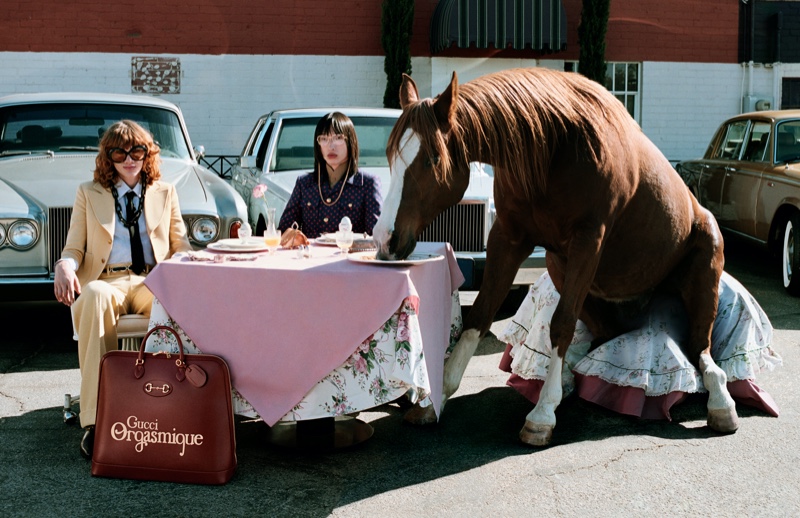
(48, 145)
(280, 149)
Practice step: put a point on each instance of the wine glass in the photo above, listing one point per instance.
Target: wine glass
(344, 240)
(272, 240)
(245, 232)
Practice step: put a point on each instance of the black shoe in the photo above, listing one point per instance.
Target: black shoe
(87, 443)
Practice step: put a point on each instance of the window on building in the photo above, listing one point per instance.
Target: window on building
(622, 80)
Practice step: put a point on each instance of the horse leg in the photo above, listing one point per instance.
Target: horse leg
(540, 422)
(503, 259)
(700, 294)
(584, 251)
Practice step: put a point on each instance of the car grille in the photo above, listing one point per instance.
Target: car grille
(461, 225)
(59, 225)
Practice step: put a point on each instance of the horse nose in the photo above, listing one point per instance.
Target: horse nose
(382, 238)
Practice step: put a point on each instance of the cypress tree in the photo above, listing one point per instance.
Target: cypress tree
(397, 20)
(592, 39)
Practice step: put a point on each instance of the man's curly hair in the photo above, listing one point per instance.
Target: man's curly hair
(126, 134)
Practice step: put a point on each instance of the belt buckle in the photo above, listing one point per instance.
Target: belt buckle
(117, 269)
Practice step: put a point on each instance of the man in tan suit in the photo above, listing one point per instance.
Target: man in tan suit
(123, 223)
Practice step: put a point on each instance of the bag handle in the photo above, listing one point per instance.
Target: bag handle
(180, 362)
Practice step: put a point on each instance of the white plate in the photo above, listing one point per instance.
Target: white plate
(358, 242)
(235, 245)
(369, 258)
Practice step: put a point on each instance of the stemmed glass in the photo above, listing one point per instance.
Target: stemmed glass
(344, 240)
(245, 232)
(272, 240)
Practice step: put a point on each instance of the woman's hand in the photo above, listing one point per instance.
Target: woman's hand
(66, 285)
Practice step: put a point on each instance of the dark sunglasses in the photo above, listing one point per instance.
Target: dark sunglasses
(119, 155)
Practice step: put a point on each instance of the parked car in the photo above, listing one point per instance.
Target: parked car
(749, 178)
(48, 145)
(280, 149)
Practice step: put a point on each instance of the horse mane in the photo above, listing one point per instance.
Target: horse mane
(518, 119)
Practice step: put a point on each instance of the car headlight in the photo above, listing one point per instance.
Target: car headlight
(23, 234)
(2, 234)
(204, 230)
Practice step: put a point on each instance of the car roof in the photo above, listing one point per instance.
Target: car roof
(353, 111)
(80, 97)
(770, 114)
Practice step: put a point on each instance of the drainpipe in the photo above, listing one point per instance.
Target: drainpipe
(778, 36)
(752, 29)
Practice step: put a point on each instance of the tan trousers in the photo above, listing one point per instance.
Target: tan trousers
(95, 314)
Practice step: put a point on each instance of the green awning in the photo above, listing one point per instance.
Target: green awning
(535, 24)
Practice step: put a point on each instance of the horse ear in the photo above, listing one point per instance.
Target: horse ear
(445, 105)
(408, 91)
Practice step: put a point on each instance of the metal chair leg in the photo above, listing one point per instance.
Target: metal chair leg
(70, 416)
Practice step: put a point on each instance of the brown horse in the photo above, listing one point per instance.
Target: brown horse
(574, 174)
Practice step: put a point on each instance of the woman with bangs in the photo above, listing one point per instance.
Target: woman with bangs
(336, 188)
(124, 222)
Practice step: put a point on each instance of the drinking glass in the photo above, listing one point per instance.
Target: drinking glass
(272, 240)
(344, 240)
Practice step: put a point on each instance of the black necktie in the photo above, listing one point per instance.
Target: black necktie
(137, 254)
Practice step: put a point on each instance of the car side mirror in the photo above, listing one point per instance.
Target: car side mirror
(248, 161)
(200, 152)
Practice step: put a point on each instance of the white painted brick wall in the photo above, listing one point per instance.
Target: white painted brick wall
(682, 104)
(221, 96)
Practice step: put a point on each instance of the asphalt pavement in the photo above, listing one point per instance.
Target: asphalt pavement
(470, 464)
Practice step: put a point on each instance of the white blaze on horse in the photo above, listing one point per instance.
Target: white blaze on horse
(574, 174)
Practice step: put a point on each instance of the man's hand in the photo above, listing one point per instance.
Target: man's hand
(66, 285)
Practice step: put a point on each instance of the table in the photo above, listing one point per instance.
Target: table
(285, 323)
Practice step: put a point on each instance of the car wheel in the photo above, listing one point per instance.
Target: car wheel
(791, 255)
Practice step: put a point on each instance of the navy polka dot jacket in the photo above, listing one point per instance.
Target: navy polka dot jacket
(360, 201)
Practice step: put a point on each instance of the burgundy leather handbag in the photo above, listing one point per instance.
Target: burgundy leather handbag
(164, 417)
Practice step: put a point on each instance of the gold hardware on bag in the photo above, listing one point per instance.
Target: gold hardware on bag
(164, 389)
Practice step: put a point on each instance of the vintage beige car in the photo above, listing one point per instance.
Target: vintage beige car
(48, 144)
(749, 178)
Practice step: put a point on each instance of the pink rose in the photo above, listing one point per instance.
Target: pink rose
(259, 190)
(403, 332)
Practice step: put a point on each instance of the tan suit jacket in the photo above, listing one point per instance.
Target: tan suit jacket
(91, 229)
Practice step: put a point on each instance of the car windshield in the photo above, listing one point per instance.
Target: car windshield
(74, 127)
(295, 149)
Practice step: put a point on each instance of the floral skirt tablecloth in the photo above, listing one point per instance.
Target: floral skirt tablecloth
(387, 365)
(643, 372)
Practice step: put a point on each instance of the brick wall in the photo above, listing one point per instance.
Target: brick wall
(239, 61)
(678, 30)
(331, 27)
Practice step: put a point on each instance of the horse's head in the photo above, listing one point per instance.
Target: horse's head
(426, 177)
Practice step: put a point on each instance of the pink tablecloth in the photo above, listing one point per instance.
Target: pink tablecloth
(268, 317)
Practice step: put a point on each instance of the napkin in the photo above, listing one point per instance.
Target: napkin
(219, 258)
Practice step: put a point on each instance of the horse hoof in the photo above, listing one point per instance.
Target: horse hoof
(723, 420)
(536, 434)
(421, 415)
